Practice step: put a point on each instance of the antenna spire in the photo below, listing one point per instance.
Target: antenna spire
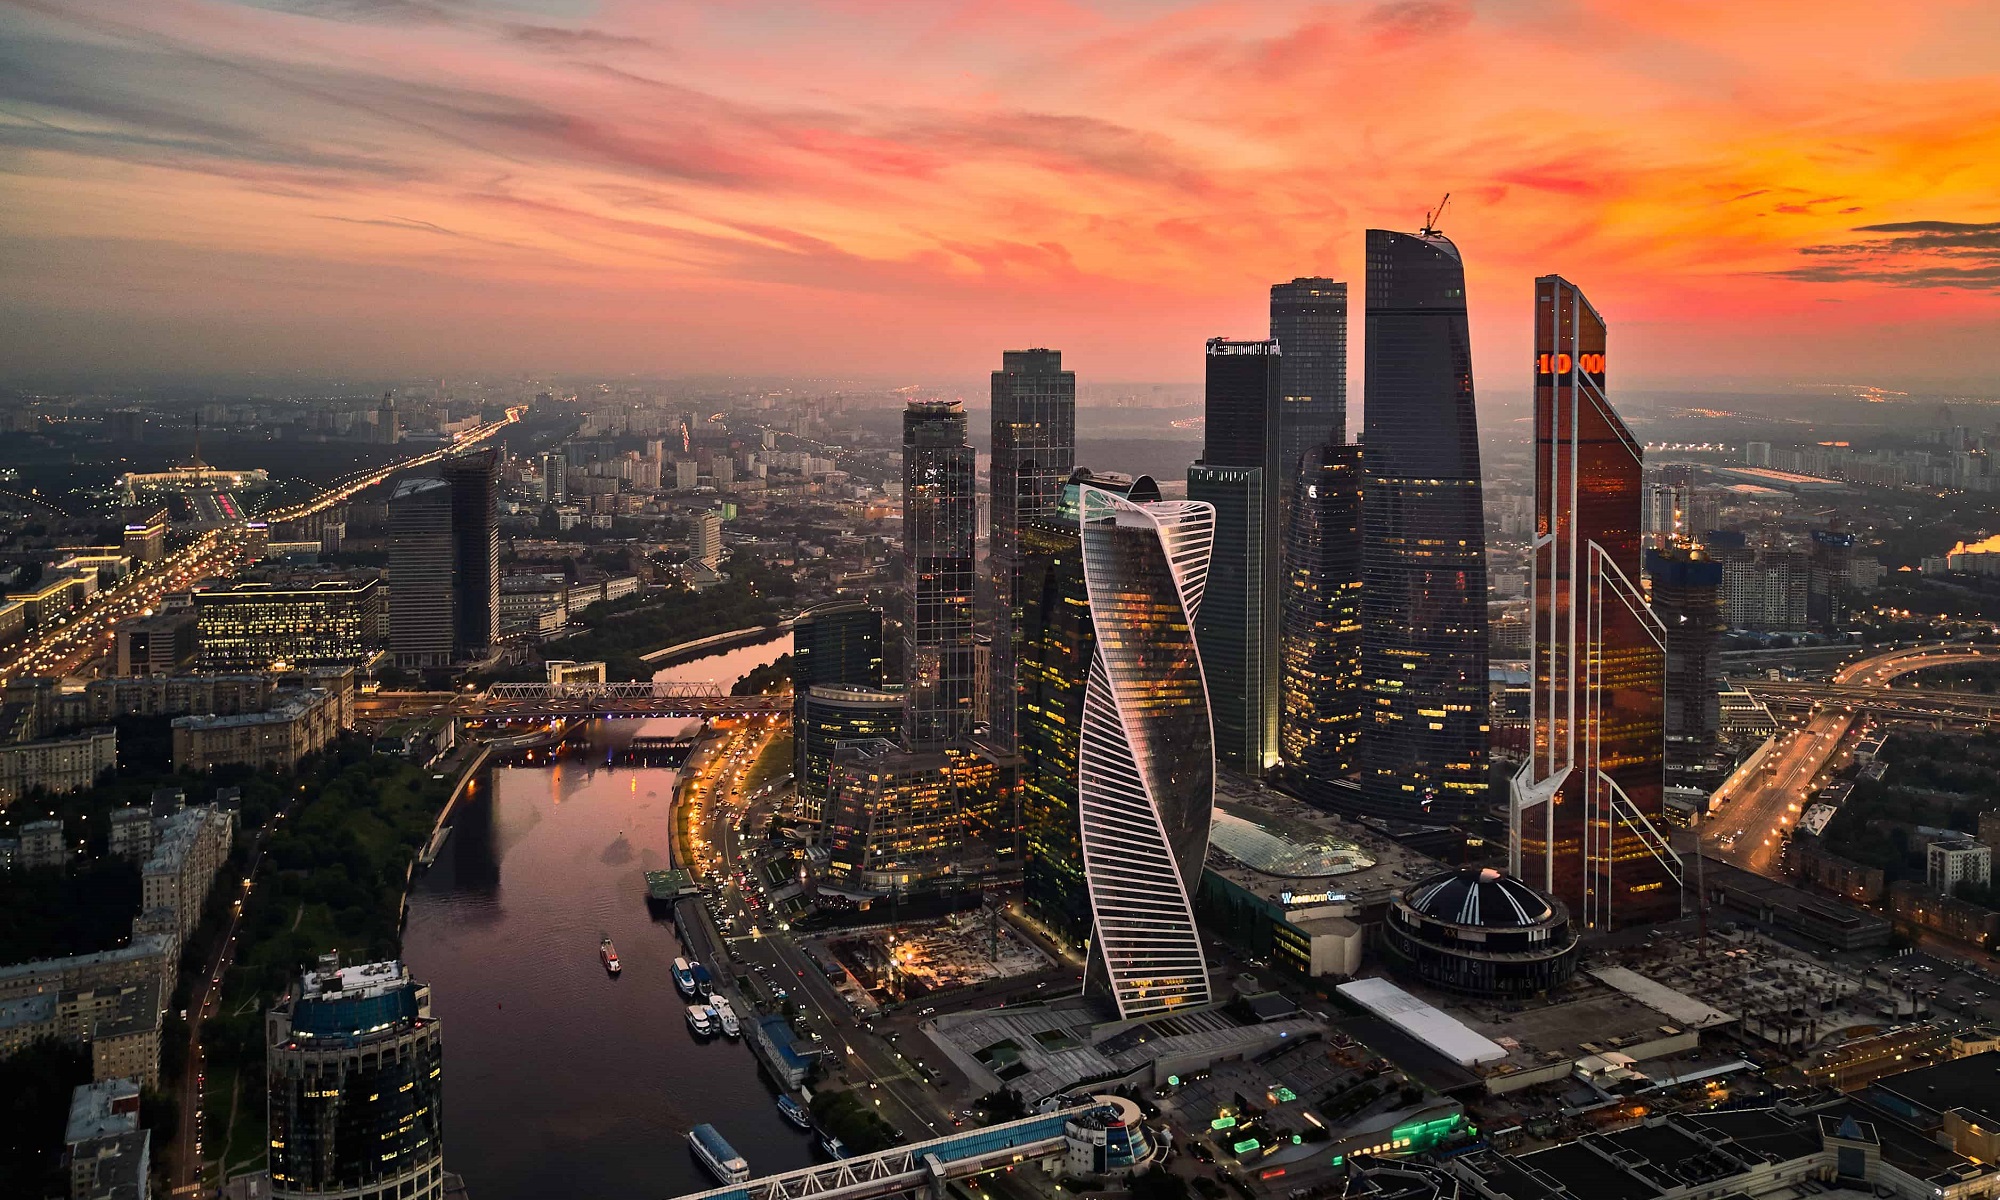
(1431, 217)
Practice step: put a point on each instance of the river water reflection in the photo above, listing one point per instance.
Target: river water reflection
(560, 1080)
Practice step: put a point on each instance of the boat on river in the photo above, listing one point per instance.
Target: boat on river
(794, 1112)
(726, 1016)
(718, 1155)
(701, 1019)
(684, 978)
(702, 983)
(608, 954)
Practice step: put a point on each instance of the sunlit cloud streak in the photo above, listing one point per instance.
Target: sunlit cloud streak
(1748, 191)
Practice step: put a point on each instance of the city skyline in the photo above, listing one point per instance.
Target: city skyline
(621, 187)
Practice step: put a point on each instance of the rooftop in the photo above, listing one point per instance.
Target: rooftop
(354, 983)
(101, 1109)
(1300, 857)
(1971, 1083)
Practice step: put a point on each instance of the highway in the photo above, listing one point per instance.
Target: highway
(1750, 830)
(867, 1063)
(83, 635)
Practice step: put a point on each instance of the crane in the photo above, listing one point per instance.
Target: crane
(1431, 217)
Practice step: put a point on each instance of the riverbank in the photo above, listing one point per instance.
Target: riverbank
(749, 635)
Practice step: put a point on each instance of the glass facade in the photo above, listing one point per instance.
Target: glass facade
(1034, 450)
(1687, 599)
(1587, 803)
(1239, 475)
(939, 514)
(1309, 324)
(839, 646)
(421, 612)
(1321, 719)
(355, 1088)
(475, 535)
(252, 626)
(899, 821)
(1146, 757)
(826, 716)
(1423, 599)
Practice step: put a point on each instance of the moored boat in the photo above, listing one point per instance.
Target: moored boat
(702, 983)
(701, 1019)
(832, 1146)
(718, 1155)
(795, 1112)
(726, 1015)
(608, 954)
(684, 978)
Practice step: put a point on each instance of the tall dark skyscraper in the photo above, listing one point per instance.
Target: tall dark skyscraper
(1309, 323)
(1239, 621)
(1587, 807)
(1687, 599)
(1034, 449)
(1319, 508)
(1423, 563)
(1322, 617)
(422, 611)
(475, 535)
(1057, 645)
(838, 643)
(939, 517)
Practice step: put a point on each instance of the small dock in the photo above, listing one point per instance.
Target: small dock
(666, 888)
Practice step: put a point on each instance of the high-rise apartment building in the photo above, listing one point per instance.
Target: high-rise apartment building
(475, 531)
(1321, 719)
(555, 477)
(1686, 586)
(1587, 806)
(421, 613)
(354, 1064)
(1423, 562)
(705, 538)
(939, 519)
(1034, 450)
(1058, 644)
(1146, 757)
(1239, 476)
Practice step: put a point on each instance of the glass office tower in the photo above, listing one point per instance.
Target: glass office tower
(939, 511)
(475, 535)
(1587, 805)
(1322, 632)
(354, 1066)
(1239, 476)
(1034, 450)
(1309, 323)
(1146, 757)
(1423, 596)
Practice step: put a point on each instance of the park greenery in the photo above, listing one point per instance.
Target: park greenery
(1935, 781)
(622, 631)
(845, 1115)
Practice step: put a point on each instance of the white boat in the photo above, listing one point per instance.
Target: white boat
(701, 1019)
(717, 1155)
(684, 978)
(731, 1027)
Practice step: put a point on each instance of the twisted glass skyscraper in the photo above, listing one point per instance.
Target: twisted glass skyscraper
(939, 512)
(1423, 596)
(1146, 758)
(1587, 803)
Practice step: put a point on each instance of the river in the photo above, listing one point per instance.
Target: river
(560, 1080)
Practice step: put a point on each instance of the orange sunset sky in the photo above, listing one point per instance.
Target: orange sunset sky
(1756, 192)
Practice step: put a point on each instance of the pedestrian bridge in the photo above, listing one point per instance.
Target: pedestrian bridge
(921, 1166)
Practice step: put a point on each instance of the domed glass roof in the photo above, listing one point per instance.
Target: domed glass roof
(1480, 897)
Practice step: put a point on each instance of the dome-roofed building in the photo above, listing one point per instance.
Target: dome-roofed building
(1481, 932)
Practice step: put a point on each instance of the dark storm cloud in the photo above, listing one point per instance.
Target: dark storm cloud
(1921, 254)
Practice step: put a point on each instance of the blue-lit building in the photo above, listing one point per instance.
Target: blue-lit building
(354, 1065)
